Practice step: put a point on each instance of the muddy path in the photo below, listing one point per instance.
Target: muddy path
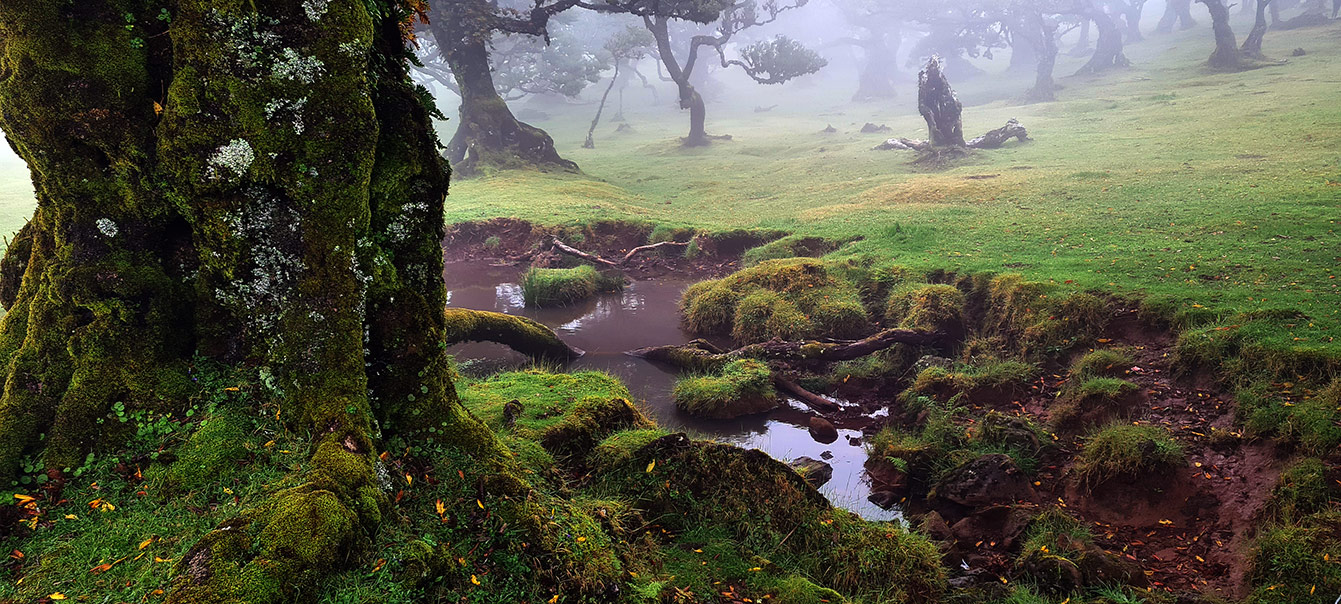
(1188, 531)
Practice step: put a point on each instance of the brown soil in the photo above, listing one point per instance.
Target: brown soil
(518, 242)
(1188, 531)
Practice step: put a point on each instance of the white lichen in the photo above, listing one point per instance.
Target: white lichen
(236, 157)
(315, 9)
(293, 66)
(107, 227)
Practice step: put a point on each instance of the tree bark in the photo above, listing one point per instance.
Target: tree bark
(1108, 51)
(1226, 56)
(1131, 14)
(939, 106)
(590, 143)
(488, 135)
(1252, 45)
(194, 200)
(1176, 12)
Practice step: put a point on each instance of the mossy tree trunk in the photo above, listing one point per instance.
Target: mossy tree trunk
(254, 182)
(488, 135)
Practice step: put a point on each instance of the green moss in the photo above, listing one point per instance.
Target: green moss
(792, 246)
(566, 286)
(742, 387)
(1130, 451)
(928, 307)
(989, 381)
(1106, 362)
(798, 298)
(211, 455)
(1093, 402)
(1297, 416)
(620, 448)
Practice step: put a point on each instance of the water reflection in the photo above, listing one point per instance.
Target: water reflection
(646, 314)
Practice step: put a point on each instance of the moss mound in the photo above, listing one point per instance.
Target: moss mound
(1059, 557)
(990, 382)
(929, 307)
(1102, 363)
(1093, 402)
(794, 299)
(1128, 451)
(793, 246)
(565, 286)
(742, 387)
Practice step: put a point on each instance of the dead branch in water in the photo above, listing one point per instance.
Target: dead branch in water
(572, 251)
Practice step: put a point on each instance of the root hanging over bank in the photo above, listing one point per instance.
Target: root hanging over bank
(518, 333)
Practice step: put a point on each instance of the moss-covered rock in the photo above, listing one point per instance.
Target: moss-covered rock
(209, 457)
(565, 286)
(1059, 557)
(741, 387)
(797, 298)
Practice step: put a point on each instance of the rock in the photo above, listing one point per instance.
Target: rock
(829, 130)
(929, 361)
(884, 499)
(1001, 523)
(813, 470)
(987, 480)
(1298, 52)
(826, 455)
(822, 430)
(854, 441)
(870, 128)
(511, 410)
(934, 526)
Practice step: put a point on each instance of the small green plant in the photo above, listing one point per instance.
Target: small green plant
(565, 286)
(493, 243)
(1103, 363)
(742, 387)
(1127, 450)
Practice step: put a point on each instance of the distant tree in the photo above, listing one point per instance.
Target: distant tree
(1252, 45)
(878, 25)
(523, 66)
(488, 134)
(1227, 56)
(1177, 12)
(767, 62)
(1108, 50)
(624, 47)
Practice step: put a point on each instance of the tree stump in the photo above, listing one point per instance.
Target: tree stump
(939, 106)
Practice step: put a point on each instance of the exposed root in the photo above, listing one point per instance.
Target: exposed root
(572, 251)
(518, 333)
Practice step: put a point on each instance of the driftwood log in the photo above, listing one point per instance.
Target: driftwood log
(518, 333)
(594, 259)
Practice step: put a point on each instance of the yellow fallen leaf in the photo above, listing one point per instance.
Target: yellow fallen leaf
(440, 507)
(474, 579)
(161, 560)
(581, 539)
(1166, 522)
(652, 466)
(101, 568)
(148, 542)
(554, 599)
(756, 569)
(479, 503)
(56, 596)
(71, 517)
(24, 498)
(232, 389)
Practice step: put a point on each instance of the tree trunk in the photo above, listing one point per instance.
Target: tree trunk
(1108, 52)
(1041, 35)
(1226, 56)
(689, 97)
(1082, 46)
(590, 143)
(226, 187)
(939, 106)
(487, 136)
(1131, 13)
(1024, 50)
(1176, 12)
(1252, 46)
(876, 80)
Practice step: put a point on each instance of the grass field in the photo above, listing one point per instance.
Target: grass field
(1222, 191)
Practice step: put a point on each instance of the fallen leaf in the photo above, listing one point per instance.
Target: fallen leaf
(148, 542)
(652, 466)
(474, 579)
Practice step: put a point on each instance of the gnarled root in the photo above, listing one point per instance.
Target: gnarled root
(518, 333)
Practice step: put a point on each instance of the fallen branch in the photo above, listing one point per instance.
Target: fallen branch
(518, 333)
(572, 251)
(812, 400)
(700, 355)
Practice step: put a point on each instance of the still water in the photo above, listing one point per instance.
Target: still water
(646, 314)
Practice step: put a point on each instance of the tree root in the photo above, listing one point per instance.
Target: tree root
(594, 259)
(518, 333)
(990, 140)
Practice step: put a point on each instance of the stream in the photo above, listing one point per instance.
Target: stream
(646, 314)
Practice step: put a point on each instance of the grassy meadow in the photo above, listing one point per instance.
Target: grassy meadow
(1219, 191)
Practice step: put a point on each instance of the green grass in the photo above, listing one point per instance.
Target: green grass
(566, 286)
(1104, 363)
(1127, 450)
(742, 387)
(1216, 192)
